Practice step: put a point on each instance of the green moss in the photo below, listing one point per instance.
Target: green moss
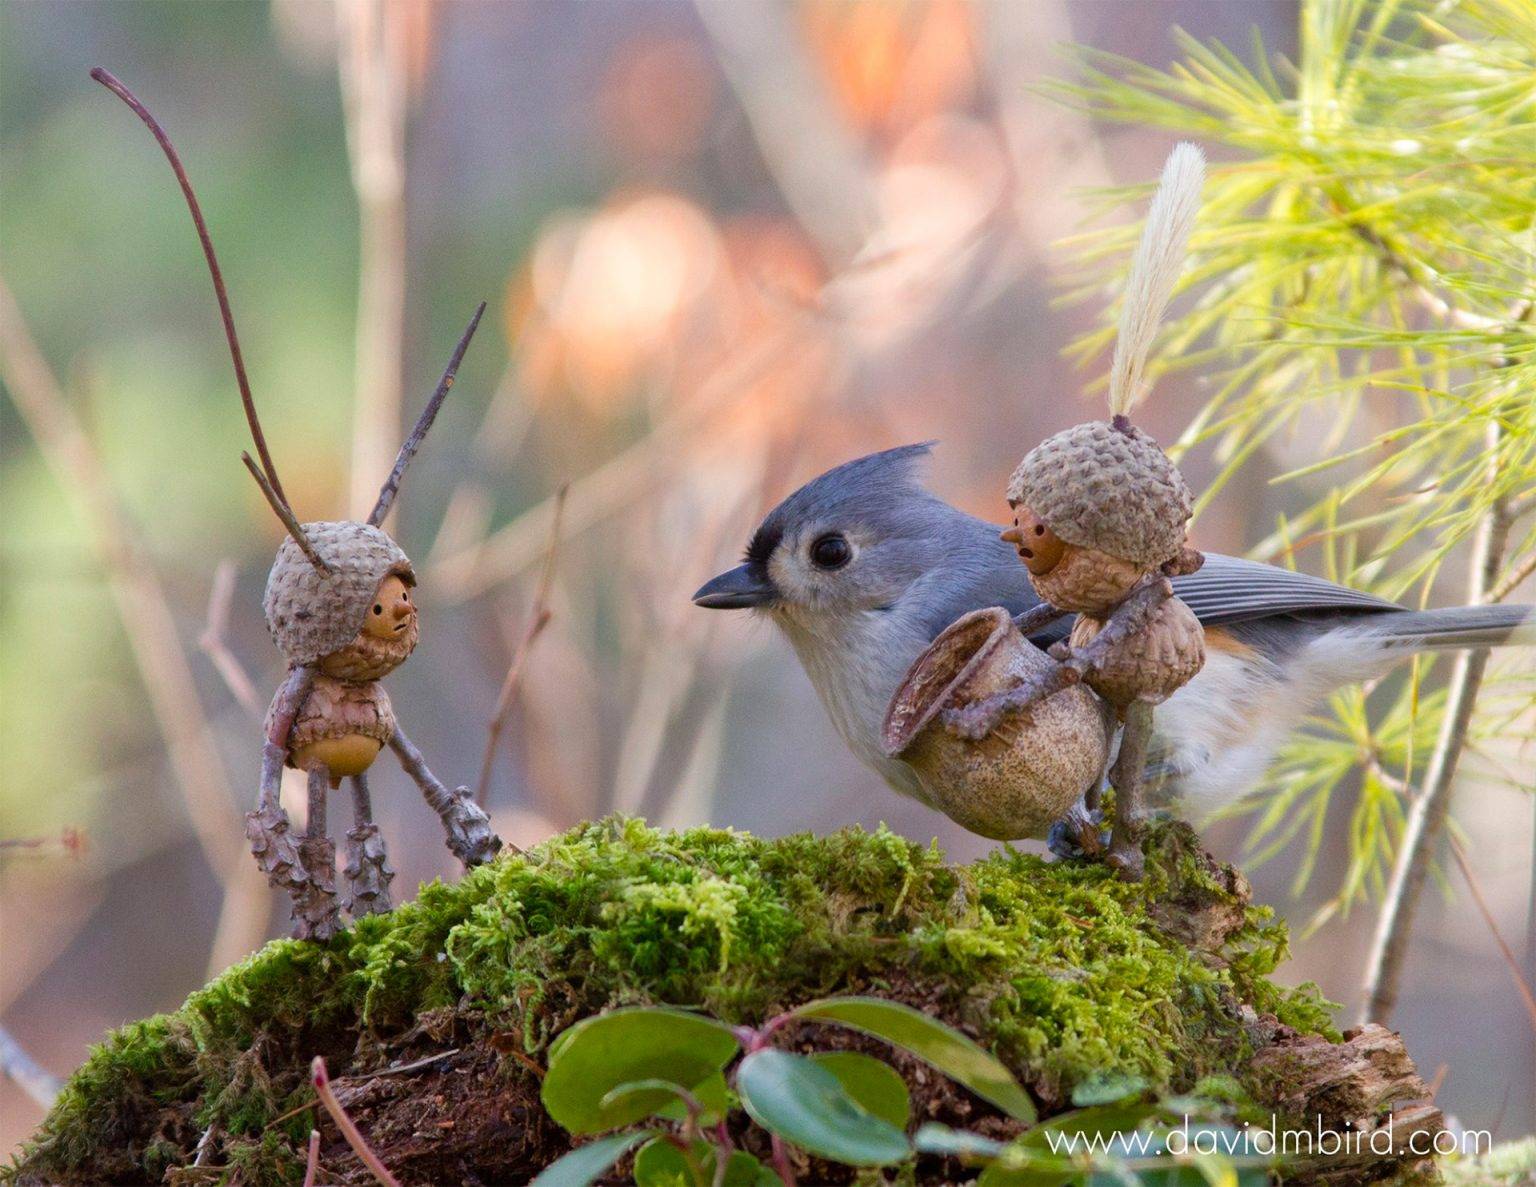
(1511, 1165)
(1064, 971)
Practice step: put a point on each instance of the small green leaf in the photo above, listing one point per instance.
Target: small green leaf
(586, 1164)
(874, 1084)
(942, 1046)
(712, 1093)
(1020, 1166)
(742, 1170)
(803, 1103)
(654, 1095)
(599, 1054)
(1080, 1127)
(1107, 1089)
(933, 1138)
(661, 1164)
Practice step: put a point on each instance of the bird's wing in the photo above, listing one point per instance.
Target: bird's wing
(1229, 589)
(1226, 590)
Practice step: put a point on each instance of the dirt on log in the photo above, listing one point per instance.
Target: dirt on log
(435, 1020)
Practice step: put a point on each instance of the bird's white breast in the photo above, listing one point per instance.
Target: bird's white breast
(855, 661)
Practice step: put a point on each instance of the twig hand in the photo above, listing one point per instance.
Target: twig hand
(977, 720)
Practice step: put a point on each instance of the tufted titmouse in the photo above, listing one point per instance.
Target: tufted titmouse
(862, 568)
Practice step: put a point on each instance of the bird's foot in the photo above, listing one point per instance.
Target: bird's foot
(368, 872)
(470, 836)
(1078, 836)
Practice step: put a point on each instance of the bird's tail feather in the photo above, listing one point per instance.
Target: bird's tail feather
(1454, 627)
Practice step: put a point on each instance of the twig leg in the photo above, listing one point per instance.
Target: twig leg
(267, 828)
(1125, 843)
(316, 912)
(470, 836)
(368, 872)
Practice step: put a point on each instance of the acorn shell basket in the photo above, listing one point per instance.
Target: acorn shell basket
(1027, 773)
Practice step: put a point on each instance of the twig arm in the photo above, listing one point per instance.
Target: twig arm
(1129, 617)
(1037, 618)
(470, 836)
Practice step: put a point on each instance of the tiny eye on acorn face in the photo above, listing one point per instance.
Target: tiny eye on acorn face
(831, 551)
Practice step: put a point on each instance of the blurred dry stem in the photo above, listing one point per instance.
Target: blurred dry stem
(372, 60)
(1428, 812)
(70, 843)
(150, 627)
(213, 644)
(633, 473)
(1505, 951)
(539, 615)
(814, 158)
(25, 1071)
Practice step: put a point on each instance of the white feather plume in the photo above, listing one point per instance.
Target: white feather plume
(1155, 269)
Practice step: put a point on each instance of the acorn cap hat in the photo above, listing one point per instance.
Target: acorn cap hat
(311, 613)
(1106, 486)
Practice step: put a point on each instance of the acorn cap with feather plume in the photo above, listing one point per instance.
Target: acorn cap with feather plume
(1107, 485)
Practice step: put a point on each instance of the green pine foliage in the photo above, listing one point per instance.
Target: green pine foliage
(1360, 294)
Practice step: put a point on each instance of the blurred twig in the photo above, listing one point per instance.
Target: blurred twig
(1505, 951)
(372, 63)
(150, 627)
(213, 645)
(814, 158)
(475, 568)
(1428, 812)
(25, 1072)
(538, 618)
(69, 843)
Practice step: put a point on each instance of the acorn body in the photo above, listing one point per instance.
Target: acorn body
(341, 725)
(1162, 657)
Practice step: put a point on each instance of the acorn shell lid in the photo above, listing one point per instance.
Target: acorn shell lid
(311, 614)
(1107, 486)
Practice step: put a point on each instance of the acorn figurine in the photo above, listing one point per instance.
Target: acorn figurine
(340, 607)
(1100, 513)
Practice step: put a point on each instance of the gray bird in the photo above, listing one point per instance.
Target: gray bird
(863, 567)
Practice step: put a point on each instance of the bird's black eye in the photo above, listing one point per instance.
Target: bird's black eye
(378, 609)
(831, 552)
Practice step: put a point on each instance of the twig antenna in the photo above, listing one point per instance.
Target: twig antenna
(266, 476)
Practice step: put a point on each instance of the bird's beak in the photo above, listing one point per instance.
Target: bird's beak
(740, 588)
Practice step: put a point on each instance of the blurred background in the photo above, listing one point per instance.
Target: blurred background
(725, 246)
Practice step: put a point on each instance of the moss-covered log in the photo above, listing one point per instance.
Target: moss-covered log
(1066, 973)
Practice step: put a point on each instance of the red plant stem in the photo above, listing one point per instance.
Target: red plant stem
(781, 1165)
(312, 1164)
(344, 1123)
